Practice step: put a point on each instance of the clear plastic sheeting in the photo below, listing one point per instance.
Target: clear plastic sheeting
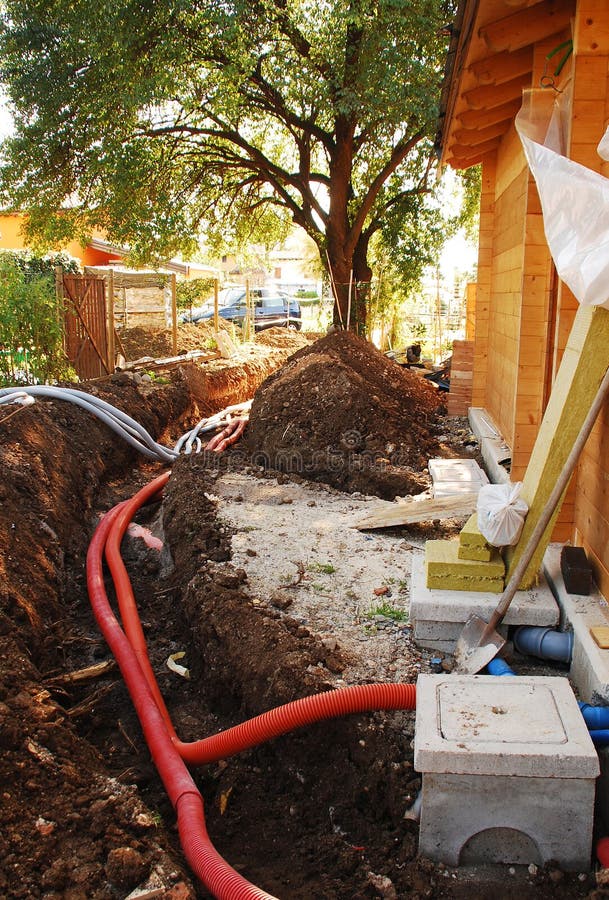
(574, 199)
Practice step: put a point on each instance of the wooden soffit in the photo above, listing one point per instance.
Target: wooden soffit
(490, 62)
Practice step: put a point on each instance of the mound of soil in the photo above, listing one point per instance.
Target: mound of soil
(137, 342)
(342, 413)
(282, 337)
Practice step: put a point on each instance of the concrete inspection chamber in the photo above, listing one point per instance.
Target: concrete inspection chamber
(508, 771)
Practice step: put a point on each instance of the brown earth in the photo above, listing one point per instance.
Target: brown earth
(342, 413)
(83, 815)
(138, 342)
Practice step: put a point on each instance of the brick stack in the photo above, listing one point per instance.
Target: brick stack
(461, 378)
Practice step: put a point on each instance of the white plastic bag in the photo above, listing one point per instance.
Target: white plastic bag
(501, 513)
(574, 200)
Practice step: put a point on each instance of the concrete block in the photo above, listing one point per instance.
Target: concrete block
(455, 475)
(508, 770)
(448, 633)
(589, 663)
(495, 452)
(436, 610)
(445, 570)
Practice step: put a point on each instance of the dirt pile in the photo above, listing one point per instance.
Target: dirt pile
(342, 413)
(137, 342)
(283, 337)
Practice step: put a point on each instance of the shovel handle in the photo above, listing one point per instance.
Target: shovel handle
(552, 502)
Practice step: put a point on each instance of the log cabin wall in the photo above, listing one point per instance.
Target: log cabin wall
(589, 119)
(523, 312)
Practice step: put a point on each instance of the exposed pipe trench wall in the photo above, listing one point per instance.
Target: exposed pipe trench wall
(168, 752)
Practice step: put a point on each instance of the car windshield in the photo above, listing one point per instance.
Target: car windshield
(229, 296)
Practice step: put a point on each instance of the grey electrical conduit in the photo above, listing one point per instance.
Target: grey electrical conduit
(209, 424)
(132, 432)
(122, 424)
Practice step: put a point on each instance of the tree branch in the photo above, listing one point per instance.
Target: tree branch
(399, 153)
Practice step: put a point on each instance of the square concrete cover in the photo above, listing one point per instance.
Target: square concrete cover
(529, 726)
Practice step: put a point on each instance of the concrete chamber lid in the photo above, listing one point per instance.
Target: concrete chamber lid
(528, 726)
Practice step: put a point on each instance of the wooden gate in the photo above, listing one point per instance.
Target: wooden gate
(85, 328)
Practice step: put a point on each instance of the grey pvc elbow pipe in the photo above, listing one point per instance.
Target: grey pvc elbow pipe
(545, 643)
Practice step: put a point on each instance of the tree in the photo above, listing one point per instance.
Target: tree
(160, 120)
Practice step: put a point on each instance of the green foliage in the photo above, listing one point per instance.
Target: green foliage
(323, 568)
(30, 323)
(169, 120)
(469, 216)
(388, 610)
(194, 292)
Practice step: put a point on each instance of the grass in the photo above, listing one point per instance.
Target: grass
(388, 610)
(321, 568)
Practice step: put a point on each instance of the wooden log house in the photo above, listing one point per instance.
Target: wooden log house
(523, 313)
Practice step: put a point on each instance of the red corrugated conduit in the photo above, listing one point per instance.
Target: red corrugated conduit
(168, 752)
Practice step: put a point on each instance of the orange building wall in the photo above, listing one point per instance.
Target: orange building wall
(12, 238)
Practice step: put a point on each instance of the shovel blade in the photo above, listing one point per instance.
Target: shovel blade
(476, 647)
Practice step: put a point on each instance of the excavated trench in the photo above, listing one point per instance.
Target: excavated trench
(318, 813)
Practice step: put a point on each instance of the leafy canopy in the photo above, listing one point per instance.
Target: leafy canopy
(160, 120)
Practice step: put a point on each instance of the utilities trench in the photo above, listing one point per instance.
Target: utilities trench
(316, 813)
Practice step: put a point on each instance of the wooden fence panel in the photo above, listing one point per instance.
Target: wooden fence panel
(85, 329)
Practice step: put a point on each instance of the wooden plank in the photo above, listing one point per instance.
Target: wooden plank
(474, 137)
(591, 32)
(527, 26)
(110, 320)
(174, 316)
(482, 118)
(464, 151)
(501, 67)
(388, 515)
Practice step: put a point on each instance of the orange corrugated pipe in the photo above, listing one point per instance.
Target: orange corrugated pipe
(168, 752)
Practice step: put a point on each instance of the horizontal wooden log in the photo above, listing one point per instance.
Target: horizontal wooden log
(464, 151)
(473, 137)
(490, 95)
(501, 67)
(483, 118)
(528, 26)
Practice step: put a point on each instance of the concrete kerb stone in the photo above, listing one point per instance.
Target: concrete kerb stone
(438, 615)
(493, 448)
(589, 663)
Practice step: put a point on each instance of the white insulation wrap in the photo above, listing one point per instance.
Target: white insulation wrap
(574, 201)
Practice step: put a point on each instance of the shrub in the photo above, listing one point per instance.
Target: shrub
(31, 328)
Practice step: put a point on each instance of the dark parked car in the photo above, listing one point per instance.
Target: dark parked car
(271, 307)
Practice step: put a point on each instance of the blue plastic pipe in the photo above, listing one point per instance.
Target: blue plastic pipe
(595, 717)
(546, 643)
(600, 738)
(499, 666)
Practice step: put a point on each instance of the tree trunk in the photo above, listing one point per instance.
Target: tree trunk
(363, 280)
